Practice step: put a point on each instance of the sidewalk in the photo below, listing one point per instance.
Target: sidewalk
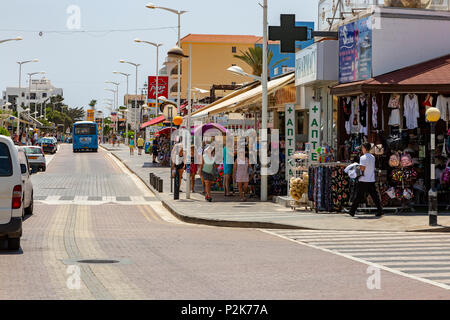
(229, 212)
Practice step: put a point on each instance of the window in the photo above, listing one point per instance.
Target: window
(5, 161)
(85, 129)
(23, 94)
(233, 49)
(44, 95)
(33, 96)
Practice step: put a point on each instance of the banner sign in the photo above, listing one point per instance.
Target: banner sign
(314, 130)
(113, 116)
(163, 87)
(355, 51)
(289, 115)
(90, 115)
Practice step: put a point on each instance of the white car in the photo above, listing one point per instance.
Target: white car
(36, 157)
(16, 192)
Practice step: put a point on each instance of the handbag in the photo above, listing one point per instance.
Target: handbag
(394, 160)
(406, 160)
(377, 149)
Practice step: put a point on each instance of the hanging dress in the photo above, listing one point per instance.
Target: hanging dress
(374, 112)
(394, 104)
(411, 111)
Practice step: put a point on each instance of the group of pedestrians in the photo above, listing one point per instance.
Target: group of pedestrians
(236, 169)
(140, 143)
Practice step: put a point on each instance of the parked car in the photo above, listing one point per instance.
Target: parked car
(36, 157)
(47, 144)
(16, 191)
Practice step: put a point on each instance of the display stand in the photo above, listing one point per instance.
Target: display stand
(301, 163)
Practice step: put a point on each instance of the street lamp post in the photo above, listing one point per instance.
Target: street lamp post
(114, 105)
(116, 97)
(156, 45)
(177, 53)
(13, 39)
(127, 106)
(29, 95)
(136, 92)
(432, 116)
(178, 13)
(263, 136)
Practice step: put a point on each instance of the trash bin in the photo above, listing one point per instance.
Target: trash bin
(147, 147)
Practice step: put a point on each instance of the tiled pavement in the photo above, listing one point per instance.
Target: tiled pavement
(228, 211)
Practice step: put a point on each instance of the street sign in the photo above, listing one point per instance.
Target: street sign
(287, 33)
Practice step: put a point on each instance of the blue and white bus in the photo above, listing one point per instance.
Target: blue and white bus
(85, 136)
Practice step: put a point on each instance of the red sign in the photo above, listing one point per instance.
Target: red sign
(163, 87)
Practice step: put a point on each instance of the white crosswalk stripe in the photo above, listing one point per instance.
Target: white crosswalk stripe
(422, 256)
(100, 200)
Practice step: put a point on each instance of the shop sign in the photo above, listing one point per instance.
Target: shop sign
(314, 130)
(306, 65)
(113, 116)
(163, 87)
(290, 138)
(355, 51)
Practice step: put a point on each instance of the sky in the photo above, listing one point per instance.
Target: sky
(81, 60)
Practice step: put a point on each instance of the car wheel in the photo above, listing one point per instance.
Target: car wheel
(14, 244)
(43, 169)
(29, 210)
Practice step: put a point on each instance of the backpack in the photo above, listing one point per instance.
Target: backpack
(445, 176)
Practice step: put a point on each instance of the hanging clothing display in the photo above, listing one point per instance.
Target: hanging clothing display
(443, 104)
(411, 110)
(329, 187)
(363, 110)
(354, 118)
(374, 112)
(394, 104)
(347, 107)
(428, 102)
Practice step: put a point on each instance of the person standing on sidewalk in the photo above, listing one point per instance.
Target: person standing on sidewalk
(131, 145)
(140, 145)
(241, 175)
(209, 170)
(154, 151)
(227, 171)
(366, 182)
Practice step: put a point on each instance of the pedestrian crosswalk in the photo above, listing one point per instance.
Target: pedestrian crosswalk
(94, 200)
(422, 256)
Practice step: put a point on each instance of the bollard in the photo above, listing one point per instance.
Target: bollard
(176, 186)
(151, 179)
(160, 185)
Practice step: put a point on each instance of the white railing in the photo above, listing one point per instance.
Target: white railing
(331, 11)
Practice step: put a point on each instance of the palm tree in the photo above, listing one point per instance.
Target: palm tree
(93, 103)
(253, 58)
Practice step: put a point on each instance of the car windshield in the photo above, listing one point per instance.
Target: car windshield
(85, 129)
(29, 150)
(5, 161)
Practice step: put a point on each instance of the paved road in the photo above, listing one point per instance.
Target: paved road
(92, 210)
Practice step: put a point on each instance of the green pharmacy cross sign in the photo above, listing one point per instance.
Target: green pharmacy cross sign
(290, 138)
(314, 129)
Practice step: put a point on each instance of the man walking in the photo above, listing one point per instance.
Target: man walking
(366, 183)
(140, 145)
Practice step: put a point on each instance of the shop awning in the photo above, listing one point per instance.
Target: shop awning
(153, 122)
(165, 131)
(244, 98)
(432, 76)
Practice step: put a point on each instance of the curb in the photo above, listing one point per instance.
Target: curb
(252, 224)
